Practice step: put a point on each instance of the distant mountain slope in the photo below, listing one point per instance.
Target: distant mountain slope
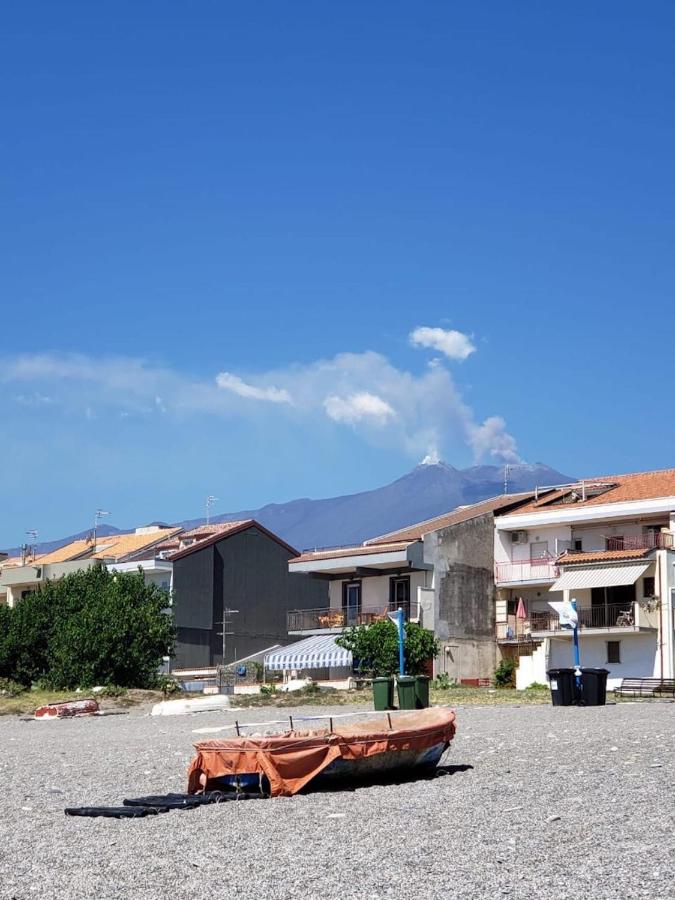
(427, 491)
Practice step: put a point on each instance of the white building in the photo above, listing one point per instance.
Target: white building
(607, 543)
(441, 572)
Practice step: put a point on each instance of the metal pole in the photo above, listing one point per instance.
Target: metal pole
(577, 655)
(401, 654)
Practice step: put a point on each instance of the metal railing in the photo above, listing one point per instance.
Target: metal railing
(614, 615)
(331, 617)
(542, 569)
(650, 540)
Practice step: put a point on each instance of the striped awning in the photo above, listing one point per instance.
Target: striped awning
(598, 576)
(318, 652)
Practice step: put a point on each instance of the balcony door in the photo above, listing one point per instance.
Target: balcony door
(399, 594)
(351, 601)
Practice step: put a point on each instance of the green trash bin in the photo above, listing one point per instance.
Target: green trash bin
(405, 685)
(421, 691)
(383, 693)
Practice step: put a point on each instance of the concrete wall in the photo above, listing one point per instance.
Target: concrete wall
(463, 560)
(638, 655)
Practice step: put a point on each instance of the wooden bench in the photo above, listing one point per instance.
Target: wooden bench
(646, 687)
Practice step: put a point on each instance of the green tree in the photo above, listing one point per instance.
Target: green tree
(375, 647)
(91, 627)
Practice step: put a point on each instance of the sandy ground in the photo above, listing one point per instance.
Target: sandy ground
(537, 802)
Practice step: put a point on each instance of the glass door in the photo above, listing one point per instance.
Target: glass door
(351, 601)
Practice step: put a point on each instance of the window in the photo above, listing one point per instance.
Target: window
(613, 651)
(351, 601)
(577, 545)
(539, 550)
(649, 587)
(399, 594)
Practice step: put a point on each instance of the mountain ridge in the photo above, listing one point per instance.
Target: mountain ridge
(428, 490)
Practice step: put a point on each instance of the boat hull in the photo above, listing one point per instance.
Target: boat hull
(288, 762)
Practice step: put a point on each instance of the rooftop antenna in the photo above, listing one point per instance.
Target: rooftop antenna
(210, 500)
(32, 533)
(100, 514)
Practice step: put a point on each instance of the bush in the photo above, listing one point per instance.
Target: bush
(9, 688)
(167, 685)
(89, 628)
(443, 682)
(375, 648)
(268, 689)
(505, 673)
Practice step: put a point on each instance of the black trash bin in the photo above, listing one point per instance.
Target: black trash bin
(563, 687)
(593, 687)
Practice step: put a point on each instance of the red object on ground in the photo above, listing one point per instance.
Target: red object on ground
(67, 710)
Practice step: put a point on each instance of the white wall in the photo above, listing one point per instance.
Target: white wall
(638, 655)
(374, 592)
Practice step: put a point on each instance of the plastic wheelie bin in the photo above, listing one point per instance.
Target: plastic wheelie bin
(593, 687)
(405, 685)
(421, 691)
(563, 687)
(383, 693)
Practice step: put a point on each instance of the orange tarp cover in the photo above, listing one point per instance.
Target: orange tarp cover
(290, 760)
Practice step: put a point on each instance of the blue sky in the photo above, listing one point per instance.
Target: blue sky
(222, 225)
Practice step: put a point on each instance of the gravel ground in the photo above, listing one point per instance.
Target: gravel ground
(538, 802)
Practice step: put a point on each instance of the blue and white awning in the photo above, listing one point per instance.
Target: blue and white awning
(318, 652)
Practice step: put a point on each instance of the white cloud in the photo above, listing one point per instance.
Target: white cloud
(358, 408)
(453, 344)
(492, 439)
(236, 385)
(422, 414)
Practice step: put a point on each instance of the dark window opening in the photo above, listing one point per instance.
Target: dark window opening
(351, 601)
(613, 651)
(399, 594)
(649, 587)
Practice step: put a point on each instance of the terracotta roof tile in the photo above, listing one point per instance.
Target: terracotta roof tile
(618, 489)
(117, 546)
(567, 559)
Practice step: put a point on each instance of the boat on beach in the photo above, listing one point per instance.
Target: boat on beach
(281, 764)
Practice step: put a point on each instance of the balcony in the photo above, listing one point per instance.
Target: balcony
(534, 570)
(650, 540)
(603, 617)
(541, 623)
(299, 621)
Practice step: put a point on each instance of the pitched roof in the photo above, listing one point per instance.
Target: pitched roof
(357, 550)
(454, 517)
(606, 489)
(118, 546)
(568, 559)
(65, 553)
(220, 532)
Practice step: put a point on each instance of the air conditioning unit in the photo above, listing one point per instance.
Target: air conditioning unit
(518, 537)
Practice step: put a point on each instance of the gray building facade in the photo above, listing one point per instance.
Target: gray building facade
(244, 570)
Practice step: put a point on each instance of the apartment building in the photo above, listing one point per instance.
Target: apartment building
(608, 544)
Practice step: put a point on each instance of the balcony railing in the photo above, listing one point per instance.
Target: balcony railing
(542, 569)
(614, 615)
(330, 617)
(650, 540)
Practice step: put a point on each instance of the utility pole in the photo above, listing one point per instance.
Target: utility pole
(210, 500)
